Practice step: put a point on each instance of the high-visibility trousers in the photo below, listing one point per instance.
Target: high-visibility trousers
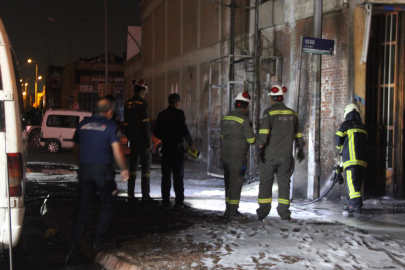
(354, 178)
(283, 168)
(233, 183)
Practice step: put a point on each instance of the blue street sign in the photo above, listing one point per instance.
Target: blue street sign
(318, 45)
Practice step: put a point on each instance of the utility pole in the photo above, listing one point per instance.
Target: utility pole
(314, 131)
(106, 50)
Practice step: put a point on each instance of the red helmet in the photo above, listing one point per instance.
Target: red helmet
(277, 90)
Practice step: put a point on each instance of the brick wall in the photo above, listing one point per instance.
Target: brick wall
(190, 13)
(173, 28)
(147, 38)
(159, 33)
(209, 23)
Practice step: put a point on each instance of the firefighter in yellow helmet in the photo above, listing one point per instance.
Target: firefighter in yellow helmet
(278, 130)
(236, 136)
(351, 140)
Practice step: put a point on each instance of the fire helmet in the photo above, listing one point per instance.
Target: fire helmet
(244, 96)
(277, 90)
(349, 108)
(140, 83)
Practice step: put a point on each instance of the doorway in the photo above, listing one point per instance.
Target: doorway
(382, 94)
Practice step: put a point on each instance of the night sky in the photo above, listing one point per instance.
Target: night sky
(27, 24)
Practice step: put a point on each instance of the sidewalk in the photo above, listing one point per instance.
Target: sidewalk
(150, 237)
(319, 237)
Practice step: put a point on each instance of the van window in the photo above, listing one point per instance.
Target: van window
(63, 121)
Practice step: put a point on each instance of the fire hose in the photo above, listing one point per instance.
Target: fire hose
(335, 178)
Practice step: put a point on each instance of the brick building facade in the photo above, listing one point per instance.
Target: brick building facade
(182, 37)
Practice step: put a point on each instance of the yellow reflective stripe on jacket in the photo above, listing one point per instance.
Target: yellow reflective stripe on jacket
(341, 134)
(252, 140)
(339, 147)
(352, 130)
(233, 201)
(283, 201)
(145, 120)
(283, 112)
(146, 175)
(132, 173)
(268, 200)
(264, 131)
(352, 150)
(298, 135)
(226, 199)
(354, 162)
(233, 118)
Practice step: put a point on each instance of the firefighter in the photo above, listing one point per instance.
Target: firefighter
(277, 133)
(138, 130)
(351, 140)
(236, 136)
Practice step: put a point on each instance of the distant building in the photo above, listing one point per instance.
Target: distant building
(83, 83)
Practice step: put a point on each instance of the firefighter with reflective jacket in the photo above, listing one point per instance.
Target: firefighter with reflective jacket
(236, 135)
(351, 140)
(138, 131)
(278, 130)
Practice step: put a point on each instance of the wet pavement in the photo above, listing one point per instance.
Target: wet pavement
(146, 233)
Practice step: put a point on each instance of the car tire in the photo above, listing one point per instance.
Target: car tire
(158, 151)
(53, 146)
(35, 137)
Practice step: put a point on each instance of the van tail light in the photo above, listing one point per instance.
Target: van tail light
(15, 173)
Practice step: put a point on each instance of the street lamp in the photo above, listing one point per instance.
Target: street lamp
(36, 80)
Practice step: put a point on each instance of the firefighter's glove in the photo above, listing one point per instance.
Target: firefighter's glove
(301, 155)
(242, 170)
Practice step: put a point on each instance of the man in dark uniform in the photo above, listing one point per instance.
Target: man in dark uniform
(236, 135)
(278, 130)
(172, 129)
(351, 140)
(137, 125)
(96, 145)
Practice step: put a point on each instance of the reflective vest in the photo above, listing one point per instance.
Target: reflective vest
(351, 140)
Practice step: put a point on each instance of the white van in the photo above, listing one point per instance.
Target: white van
(12, 147)
(58, 128)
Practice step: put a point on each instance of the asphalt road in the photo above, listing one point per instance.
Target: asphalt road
(47, 227)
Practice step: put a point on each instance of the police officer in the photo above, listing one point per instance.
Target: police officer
(96, 144)
(236, 135)
(277, 133)
(172, 129)
(137, 125)
(351, 140)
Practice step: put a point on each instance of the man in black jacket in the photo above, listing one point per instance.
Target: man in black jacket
(137, 125)
(351, 140)
(172, 129)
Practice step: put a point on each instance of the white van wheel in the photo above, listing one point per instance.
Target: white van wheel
(53, 146)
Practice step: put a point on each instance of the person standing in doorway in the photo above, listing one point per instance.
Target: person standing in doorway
(172, 129)
(351, 140)
(138, 131)
(236, 136)
(278, 130)
(97, 144)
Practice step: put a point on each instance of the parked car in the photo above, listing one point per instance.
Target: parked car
(157, 144)
(13, 149)
(58, 128)
(33, 134)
